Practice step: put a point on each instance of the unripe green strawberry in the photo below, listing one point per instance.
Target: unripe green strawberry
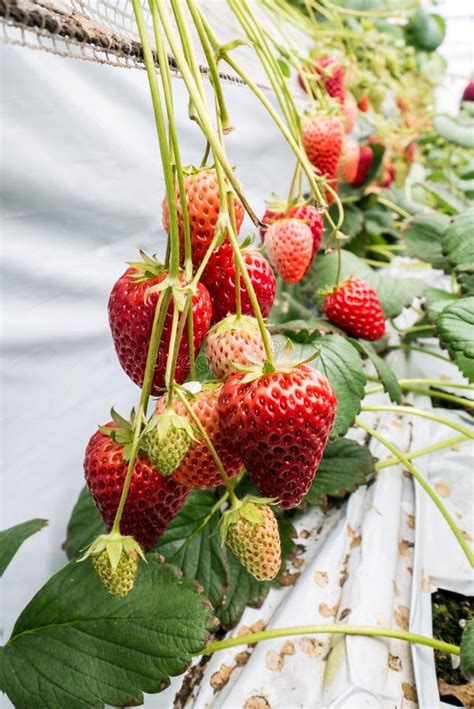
(115, 559)
(250, 530)
(166, 440)
(234, 340)
(120, 581)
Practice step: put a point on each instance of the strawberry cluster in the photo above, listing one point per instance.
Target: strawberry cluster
(269, 417)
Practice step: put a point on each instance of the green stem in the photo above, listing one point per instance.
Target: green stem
(203, 433)
(422, 451)
(205, 121)
(173, 348)
(297, 150)
(168, 94)
(213, 70)
(336, 629)
(294, 182)
(413, 348)
(423, 414)
(416, 328)
(394, 207)
(162, 138)
(466, 403)
(424, 484)
(161, 311)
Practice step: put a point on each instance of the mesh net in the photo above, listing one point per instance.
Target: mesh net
(104, 31)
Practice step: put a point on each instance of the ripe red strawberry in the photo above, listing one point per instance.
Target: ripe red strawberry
(280, 424)
(349, 109)
(366, 156)
(302, 211)
(363, 103)
(349, 161)
(131, 312)
(355, 307)
(322, 139)
(202, 198)
(330, 73)
(289, 245)
(251, 531)
(197, 469)
(389, 175)
(234, 341)
(219, 278)
(153, 500)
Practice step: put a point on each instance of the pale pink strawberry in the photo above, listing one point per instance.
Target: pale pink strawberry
(349, 161)
(289, 245)
(234, 341)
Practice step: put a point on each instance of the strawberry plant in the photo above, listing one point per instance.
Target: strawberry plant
(259, 357)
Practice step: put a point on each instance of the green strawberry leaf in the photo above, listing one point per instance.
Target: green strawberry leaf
(76, 646)
(344, 467)
(394, 293)
(12, 538)
(467, 651)
(386, 374)
(456, 129)
(342, 365)
(85, 524)
(436, 301)
(458, 242)
(466, 283)
(424, 239)
(447, 199)
(194, 546)
(455, 328)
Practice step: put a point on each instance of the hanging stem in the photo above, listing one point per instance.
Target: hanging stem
(162, 138)
(336, 629)
(423, 414)
(209, 444)
(465, 403)
(413, 348)
(161, 311)
(296, 148)
(448, 443)
(168, 94)
(424, 484)
(193, 90)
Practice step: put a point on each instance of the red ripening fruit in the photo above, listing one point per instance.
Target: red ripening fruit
(280, 424)
(349, 161)
(363, 103)
(389, 175)
(289, 245)
(366, 156)
(197, 469)
(131, 313)
(330, 73)
(305, 213)
(468, 93)
(322, 139)
(219, 278)
(355, 307)
(202, 199)
(152, 501)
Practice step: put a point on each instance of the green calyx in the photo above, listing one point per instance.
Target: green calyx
(115, 559)
(284, 363)
(232, 323)
(149, 267)
(123, 431)
(247, 509)
(114, 544)
(179, 290)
